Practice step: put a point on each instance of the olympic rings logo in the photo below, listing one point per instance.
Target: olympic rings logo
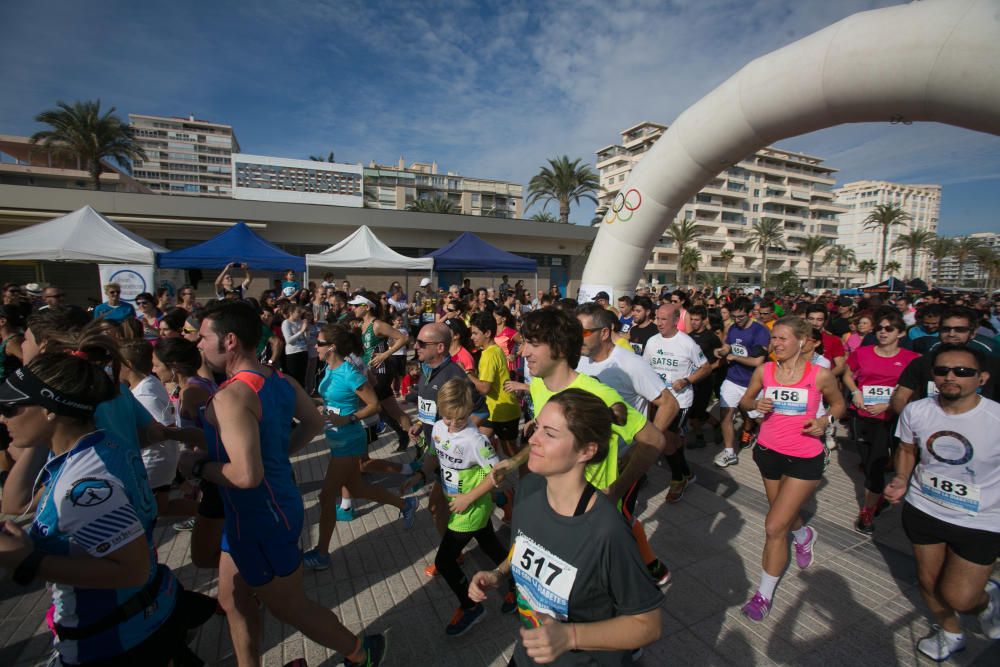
(624, 206)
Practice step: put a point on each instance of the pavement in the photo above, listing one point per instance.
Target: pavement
(858, 604)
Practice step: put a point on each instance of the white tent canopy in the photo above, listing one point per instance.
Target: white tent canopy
(81, 236)
(363, 250)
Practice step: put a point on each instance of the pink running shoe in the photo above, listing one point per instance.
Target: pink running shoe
(804, 552)
(757, 608)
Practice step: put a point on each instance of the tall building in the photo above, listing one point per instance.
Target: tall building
(792, 188)
(25, 163)
(921, 202)
(184, 156)
(396, 187)
(302, 181)
(946, 272)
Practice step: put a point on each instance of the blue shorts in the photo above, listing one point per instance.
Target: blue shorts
(259, 562)
(352, 443)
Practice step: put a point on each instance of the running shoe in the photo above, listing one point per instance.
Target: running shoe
(757, 608)
(464, 619)
(345, 515)
(315, 560)
(185, 525)
(724, 459)
(747, 440)
(676, 491)
(374, 647)
(509, 605)
(989, 618)
(866, 521)
(659, 572)
(431, 570)
(409, 512)
(941, 645)
(804, 551)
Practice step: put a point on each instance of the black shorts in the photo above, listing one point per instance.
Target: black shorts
(211, 506)
(701, 401)
(977, 546)
(504, 430)
(679, 421)
(774, 466)
(382, 384)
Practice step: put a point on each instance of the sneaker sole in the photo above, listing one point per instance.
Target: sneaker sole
(726, 464)
(468, 627)
(947, 657)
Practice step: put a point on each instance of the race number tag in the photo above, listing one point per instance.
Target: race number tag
(932, 389)
(738, 350)
(951, 493)
(876, 394)
(450, 481)
(426, 410)
(788, 400)
(330, 410)
(543, 579)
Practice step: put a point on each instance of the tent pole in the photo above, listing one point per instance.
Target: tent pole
(535, 295)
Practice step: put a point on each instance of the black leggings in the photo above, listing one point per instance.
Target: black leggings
(874, 441)
(296, 364)
(451, 547)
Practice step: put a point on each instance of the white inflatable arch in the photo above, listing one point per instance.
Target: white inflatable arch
(932, 60)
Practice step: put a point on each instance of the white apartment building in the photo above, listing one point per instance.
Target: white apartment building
(398, 186)
(794, 188)
(265, 178)
(184, 156)
(922, 202)
(946, 272)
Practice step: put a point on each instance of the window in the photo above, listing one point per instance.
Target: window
(621, 177)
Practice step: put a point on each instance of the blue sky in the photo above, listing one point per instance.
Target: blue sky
(488, 89)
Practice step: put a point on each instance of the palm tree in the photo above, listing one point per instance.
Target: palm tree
(913, 242)
(436, 205)
(689, 262)
(985, 256)
(882, 220)
(809, 247)
(726, 257)
(893, 267)
(841, 256)
(940, 248)
(764, 234)
(319, 158)
(683, 233)
(867, 266)
(80, 131)
(964, 247)
(544, 216)
(563, 181)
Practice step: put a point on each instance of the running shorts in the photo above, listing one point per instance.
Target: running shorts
(774, 465)
(981, 547)
(701, 401)
(730, 394)
(679, 421)
(352, 443)
(504, 430)
(211, 506)
(259, 562)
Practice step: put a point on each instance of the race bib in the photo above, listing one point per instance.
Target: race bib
(544, 580)
(876, 394)
(637, 348)
(331, 411)
(426, 411)
(788, 400)
(951, 493)
(450, 481)
(738, 350)
(932, 389)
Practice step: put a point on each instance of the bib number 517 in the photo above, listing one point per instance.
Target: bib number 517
(529, 560)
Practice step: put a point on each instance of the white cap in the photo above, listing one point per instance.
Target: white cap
(425, 282)
(359, 300)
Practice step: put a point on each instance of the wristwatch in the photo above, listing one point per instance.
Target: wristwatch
(353, 417)
(28, 568)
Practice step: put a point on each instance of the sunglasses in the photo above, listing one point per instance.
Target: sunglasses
(424, 343)
(114, 291)
(885, 327)
(142, 303)
(324, 343)
(8, 410)
(959, 371)
(958, 330)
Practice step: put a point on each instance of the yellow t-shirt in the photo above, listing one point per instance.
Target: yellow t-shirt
(602, 474)
(623, 343)
(502, 405)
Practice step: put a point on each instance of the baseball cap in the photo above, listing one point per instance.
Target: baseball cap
(33, 289)
(425, 282)
(602, 295)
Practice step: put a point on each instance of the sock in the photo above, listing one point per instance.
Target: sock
(767, 585)
(802, 535)
(406, 469)
(953, 635)
(730, 451)
(346, 504)
(645, 550)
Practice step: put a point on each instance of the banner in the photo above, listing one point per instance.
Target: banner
(133, 278)
(172, 280)
(587, 292)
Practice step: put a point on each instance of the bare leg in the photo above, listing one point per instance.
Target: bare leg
(728, 432)
(439, 508)
(329, 498)
(784, 514)
(361, 489)
(242, 614)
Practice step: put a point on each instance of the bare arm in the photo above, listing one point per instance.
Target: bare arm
(647, 447)
(749, 401)
(666, 411)
(16, 497)
(310, 422)
(222, 274)
(247, 280)
(237, 411)
(900, 397)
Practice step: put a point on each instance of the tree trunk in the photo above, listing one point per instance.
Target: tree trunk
(913, 264)
(885, 242)
(95, 173)
(810, 279)
(680, 270)
(725, 273)
(563, 209)
(763, 272)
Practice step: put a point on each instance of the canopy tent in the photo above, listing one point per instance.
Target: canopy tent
(363, 250)
(890, 285)
(470, 253)
(81, 236)
(916, 285)
(237, 244)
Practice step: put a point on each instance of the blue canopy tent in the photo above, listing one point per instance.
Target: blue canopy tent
(472, 254)
(237, 244)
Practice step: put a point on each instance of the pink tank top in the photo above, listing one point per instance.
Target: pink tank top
(794, 404)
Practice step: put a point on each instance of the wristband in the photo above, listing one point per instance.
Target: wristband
(25, 572)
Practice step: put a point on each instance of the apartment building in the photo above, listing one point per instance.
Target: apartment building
(184, 156)
(946, 272)
(793, 188)
(25, 163)
(921, 202)
(266, 178)
(398, 186)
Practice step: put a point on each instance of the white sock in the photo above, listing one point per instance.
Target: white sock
(767, 585)
(730, 451)
(801, 535)
(346, 504)
(406, 469)
(953, 635)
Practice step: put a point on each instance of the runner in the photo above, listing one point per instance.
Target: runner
(789, 450)
(581, 585)
(642, 328)
(951, 498)
(489, 379)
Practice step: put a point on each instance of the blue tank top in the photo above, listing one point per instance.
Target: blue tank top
(273, 509)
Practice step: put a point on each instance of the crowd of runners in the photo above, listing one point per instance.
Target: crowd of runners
(526, 409)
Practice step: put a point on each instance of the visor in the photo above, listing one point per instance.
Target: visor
(23, 388)
(359, 300)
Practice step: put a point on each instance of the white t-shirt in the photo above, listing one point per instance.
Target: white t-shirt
(160, 459)
(675, 358)
(626, 373)
(958, 477)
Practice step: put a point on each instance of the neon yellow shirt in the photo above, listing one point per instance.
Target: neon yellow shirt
(493, 369)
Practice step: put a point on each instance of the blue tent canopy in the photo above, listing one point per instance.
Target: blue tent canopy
(237, 244)
(470, 253)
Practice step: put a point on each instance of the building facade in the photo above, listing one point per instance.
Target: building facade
(921, 202)
(397, 187)
(184, 156)
(792, 188)
(946, 272)
(24, 163)
(265, 178)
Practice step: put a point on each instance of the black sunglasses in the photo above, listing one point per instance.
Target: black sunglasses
(8, 410)
(958, 330)
(887, 327)
(424, 343)
(324, 343)
(959, 371)
(142, 303)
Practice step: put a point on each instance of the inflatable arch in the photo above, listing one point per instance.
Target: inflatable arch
(932, 60)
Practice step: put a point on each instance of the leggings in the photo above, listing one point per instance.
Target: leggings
(874, 439)
(451, 547)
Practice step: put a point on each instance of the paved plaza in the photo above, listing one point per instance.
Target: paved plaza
(857, 605)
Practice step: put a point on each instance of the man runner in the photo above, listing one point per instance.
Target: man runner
(642, 328)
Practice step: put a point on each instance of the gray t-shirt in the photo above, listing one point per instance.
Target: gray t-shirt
(577, 569)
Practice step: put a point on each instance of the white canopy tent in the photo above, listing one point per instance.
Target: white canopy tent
(81, 236)
(363, 250)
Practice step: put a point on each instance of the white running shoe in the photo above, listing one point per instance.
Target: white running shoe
(989, 618)
(724, 459)
(941, 645)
